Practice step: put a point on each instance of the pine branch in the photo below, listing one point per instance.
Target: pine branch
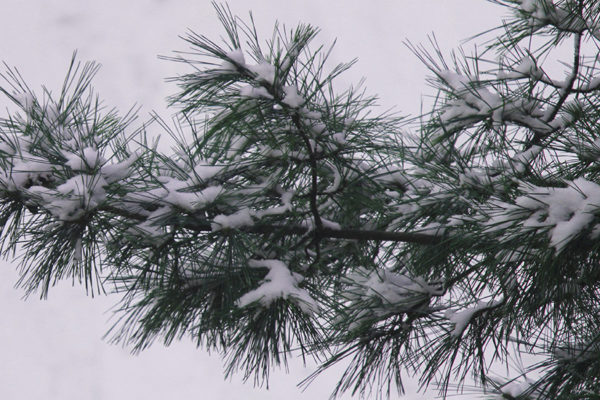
(291, 217)
(200, 226)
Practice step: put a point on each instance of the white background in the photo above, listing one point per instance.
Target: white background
(53, 349)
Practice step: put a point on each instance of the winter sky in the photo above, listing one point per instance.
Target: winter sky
(53, 349)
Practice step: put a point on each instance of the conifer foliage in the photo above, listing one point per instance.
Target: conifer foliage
(291, 218)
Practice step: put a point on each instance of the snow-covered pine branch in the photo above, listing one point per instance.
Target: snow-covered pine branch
(292, 218)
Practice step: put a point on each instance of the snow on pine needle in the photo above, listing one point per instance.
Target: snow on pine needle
(292, 218)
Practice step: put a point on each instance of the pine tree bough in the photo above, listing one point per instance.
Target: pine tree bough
(291, 219)
(349, 234)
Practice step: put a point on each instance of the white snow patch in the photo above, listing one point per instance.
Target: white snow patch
(339, 137)
(292, 97)
(255, 92)
(152, 230)
(89, 158)
(461, 319)
(74, 198)
(286, 200)
(310, 114)
(309, 223)
(395, 292)
(236, 58)
(239, 219)
(26, 170)
(279, 283)
(567, 211)
(337, 178)
(180, 195)
(210, 194)
(515, 389)
(396, 288)
(204, 172)
(263, 71)
(118, 171)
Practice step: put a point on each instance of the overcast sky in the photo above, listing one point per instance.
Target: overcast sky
(53, 349)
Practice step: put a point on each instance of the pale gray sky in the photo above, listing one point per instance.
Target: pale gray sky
(53, 349)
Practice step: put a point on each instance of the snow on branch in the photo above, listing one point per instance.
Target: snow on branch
(279, 283)
(366, 226)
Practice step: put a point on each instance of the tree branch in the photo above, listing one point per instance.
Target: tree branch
(344, 233)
